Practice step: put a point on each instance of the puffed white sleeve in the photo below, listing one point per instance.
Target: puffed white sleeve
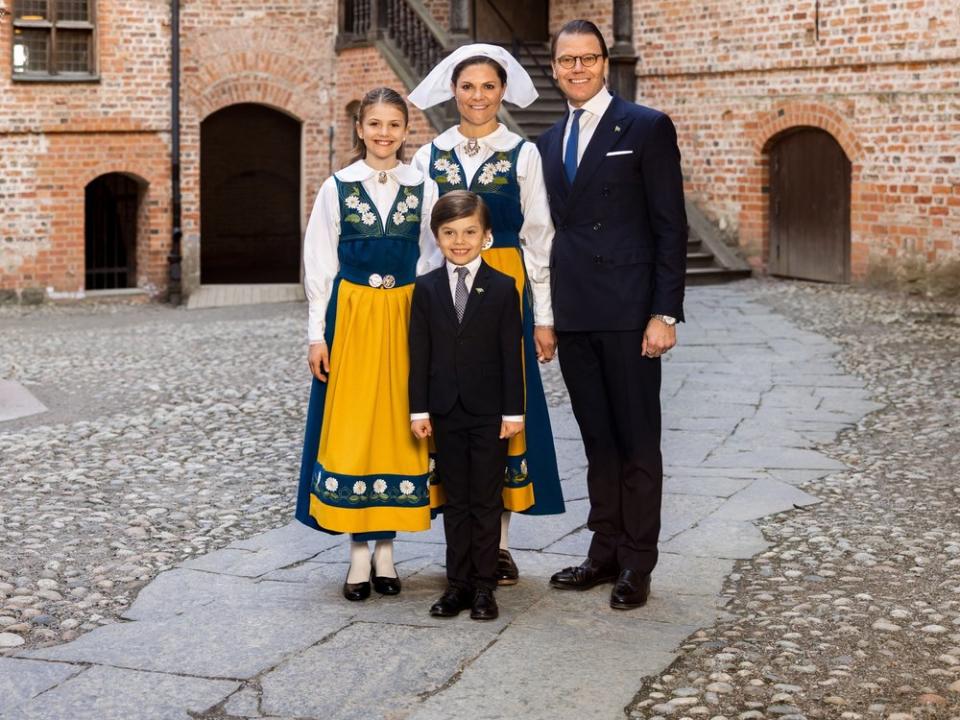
(320, 263)
(430, 256)
(421, 159)
(536, 233)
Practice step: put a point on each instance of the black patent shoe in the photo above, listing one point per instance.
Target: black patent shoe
(453, 600)
(507, 572)
(355, 592)
(386, 585)
(484, 605)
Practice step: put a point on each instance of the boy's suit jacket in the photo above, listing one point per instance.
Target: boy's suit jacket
(620, 250)
(477, 360)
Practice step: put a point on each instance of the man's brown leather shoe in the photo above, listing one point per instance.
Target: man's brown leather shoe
(631, 590)
(582, 577)
(507, 572)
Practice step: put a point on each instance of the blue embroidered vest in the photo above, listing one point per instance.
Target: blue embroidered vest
(381, 252)
(496, 182)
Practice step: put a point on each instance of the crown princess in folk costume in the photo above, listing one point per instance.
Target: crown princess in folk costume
(483, 156)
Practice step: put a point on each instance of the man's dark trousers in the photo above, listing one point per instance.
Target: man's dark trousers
(615, 394)
(470, 463)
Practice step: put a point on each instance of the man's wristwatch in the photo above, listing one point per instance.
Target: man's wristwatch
(666, 319)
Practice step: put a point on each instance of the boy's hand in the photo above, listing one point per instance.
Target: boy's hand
(319, 361)
(421, 429)
(509, 429)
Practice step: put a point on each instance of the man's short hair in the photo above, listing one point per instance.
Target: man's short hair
(579, 27)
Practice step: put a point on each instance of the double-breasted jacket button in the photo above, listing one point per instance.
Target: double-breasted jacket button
(598, 258)
(597, 226)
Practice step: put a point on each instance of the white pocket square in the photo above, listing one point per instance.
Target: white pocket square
(620, 152)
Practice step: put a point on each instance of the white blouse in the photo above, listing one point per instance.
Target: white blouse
(320, 262)
(536, 233)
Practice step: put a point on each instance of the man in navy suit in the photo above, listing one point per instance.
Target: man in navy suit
(612, 170)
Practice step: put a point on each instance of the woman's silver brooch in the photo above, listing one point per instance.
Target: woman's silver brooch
(472, 147)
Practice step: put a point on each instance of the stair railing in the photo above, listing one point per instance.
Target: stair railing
(519, 45)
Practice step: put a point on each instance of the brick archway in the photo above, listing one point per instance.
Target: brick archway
(768, 126)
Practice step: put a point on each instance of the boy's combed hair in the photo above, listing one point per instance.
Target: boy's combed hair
(458, 204)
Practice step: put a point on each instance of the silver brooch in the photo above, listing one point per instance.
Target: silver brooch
(472, 147)
(382, 177)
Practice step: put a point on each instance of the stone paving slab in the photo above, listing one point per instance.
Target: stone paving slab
(21, 680)
(539, 673)
(106, 693)
(17, 402)
(214, 641)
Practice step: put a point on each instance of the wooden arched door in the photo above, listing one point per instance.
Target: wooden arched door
(249, 196)
(809, 207)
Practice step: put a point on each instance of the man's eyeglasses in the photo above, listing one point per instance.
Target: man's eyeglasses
(568, 61)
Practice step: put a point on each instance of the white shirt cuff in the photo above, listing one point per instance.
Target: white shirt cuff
(419, 416)
(513, 418)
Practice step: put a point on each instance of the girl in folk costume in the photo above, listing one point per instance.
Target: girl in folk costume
(483, 156)
(368, 237)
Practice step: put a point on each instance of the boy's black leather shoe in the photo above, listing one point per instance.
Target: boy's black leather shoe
(450, 604)
(484, 605)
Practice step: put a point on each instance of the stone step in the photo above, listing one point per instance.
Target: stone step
(714, 275)
(209, 296)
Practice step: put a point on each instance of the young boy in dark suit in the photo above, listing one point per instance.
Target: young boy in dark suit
(466, 389)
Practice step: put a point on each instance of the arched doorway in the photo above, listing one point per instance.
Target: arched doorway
(249, 196)
(809, 207)
(111, 202)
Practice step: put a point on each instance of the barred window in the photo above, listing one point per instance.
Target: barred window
(53, 39)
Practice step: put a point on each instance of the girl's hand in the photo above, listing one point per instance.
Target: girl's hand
(319, 361)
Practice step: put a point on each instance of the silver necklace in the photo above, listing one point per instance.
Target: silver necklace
(472, 147)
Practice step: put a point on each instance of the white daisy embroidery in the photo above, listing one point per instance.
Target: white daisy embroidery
(352, 201)
(412, 202)
(453, 176)
(331, 484)
(379, 486)
(441, 164)
(503, 166)
(432, 465)
(398, 218)
(406, 487)
(359, 487)
(368, 218)
(401, 207)
(363, 208)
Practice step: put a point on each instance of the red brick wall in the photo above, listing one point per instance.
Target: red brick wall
(55, 138)
(882, 78)
(599, 12)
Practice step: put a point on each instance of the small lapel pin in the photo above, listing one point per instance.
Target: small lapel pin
(480, 290)
(617, 129)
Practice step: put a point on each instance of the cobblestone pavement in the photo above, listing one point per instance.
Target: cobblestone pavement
(854, 612)
(173, 433)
